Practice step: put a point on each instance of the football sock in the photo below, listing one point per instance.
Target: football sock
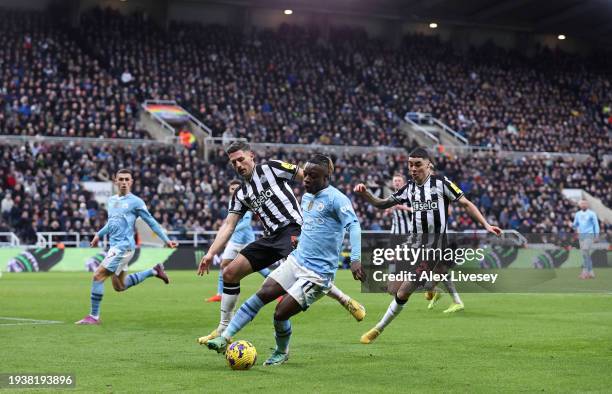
(338, 295)
(450, 287)
(243, 316)
(97, 292)
(282, 330)
(136, 278)
(220, 282)
(394, 309)
(229, 299)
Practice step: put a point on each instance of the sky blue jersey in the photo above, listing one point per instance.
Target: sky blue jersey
(122, 214)
(243, 233)
(585, 222)
(327, 215)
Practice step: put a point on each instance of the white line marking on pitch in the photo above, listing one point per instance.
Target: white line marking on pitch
(26, 321)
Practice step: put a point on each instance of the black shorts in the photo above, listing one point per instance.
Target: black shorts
(276, 246)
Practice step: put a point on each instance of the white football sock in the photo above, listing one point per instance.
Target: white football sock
(394, 309)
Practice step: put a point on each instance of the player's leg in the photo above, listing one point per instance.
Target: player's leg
(232, 275)
(122, 281)
(288, 307)
(588, 260)
(305, 291)
(229, 253)
(355, 308)
(395, 308)
(107, 268)
(246, 313)
(432, 294)
(254, 257)
(457, 304)
(273, 286)
(97, 293)
(217, 296)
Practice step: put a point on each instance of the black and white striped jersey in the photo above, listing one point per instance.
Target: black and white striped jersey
(269, 195)
(429, 203)
(401, 222)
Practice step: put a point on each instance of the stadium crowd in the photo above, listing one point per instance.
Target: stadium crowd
(285, 86)
(41, 190)
(291, 85)
(50, 86)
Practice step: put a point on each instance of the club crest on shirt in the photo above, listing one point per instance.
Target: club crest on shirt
(320, 207)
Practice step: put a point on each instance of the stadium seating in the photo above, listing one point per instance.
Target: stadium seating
(291, 86)
(288, 86)
(41, 191)
(50, 86)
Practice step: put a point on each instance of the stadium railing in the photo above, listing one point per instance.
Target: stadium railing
(9, 239)
(202, 238)
(418, 118)
(220, 142)
(435, 140)
(471, 150)
(22, 139)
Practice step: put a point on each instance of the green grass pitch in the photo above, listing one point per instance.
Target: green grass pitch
(147, 342)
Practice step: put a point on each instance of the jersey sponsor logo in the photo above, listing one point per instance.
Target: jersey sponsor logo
(345, 209)
(424, 206)
(288, 166)
(262, 198)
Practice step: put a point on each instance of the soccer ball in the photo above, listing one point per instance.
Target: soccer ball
(241, 355)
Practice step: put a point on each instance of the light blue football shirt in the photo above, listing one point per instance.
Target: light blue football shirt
(122, 214)
(243, 233)
(586, 223)
(327, 215)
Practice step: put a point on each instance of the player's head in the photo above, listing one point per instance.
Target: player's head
(419, 164)
(234, 185)
(124, 181)
(583, 204)
(398, 181)
(241, 158)
(317, 172)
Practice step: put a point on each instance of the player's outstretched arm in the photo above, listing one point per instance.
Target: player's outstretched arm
(477, 216)
(355, 239)
(362, 191)
(144, 213)
(348, 218)
(223, 235)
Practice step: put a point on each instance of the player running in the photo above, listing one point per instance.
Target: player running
(265, 191)
(309, 271)
(123, 209)
(429, 196)
(243, 234)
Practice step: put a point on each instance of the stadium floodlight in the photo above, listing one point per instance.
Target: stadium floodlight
(288, 12)
(433, 25)
(561, 36)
